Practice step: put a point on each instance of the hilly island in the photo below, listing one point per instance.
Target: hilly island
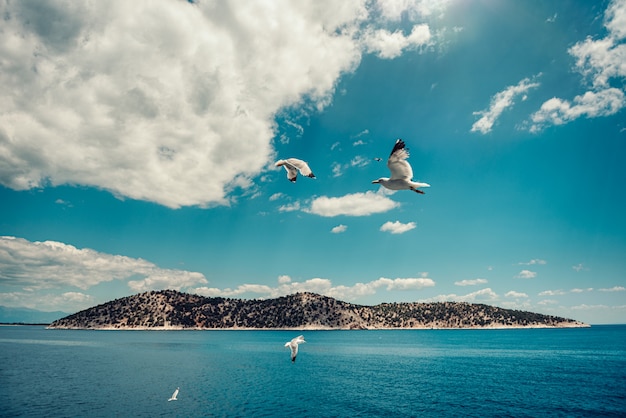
(170, 309)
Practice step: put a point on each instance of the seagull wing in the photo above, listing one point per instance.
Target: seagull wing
(302, 166)
(292, 172)
(397, 163)
(294, 351)
(174, 395)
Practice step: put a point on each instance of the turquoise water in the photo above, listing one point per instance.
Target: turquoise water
(428, 373)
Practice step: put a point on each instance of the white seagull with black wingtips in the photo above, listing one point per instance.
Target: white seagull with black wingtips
(401, 171)
(293, 345)
(293, 165)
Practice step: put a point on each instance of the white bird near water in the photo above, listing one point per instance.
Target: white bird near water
(293, 165)
(401, 171)
(293, 345)
(174, 395)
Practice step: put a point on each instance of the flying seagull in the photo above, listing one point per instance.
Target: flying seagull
(401, 171)
(293, 344)
(293, 165)
(174, 395)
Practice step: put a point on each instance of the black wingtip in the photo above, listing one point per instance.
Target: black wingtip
(398, 145)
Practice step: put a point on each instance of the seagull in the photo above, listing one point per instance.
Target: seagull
(293, 344)
(293, 165)
(401, 171)
(174, 395)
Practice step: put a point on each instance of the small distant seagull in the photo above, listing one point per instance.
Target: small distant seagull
(293, 344)
(293, 165)
(378, 159)
(401, 171)
(174, 395)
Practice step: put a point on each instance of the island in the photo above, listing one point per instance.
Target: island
(170, 309)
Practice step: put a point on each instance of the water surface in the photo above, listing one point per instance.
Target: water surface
(518, 373)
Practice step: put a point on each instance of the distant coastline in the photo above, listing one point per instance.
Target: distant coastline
(172, 310)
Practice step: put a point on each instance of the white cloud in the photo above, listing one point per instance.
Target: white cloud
(547, 302)
(284, 279)
(615, 19)
(33, 266)
(613, 289)
(150, 108)
(356, 204)
(397, 227)
(601, 61)
(324, 287)
(290, 207)
(499, 103)
(389, 45)
(358, 161)
(577, 290)
(48, 302)
(360, 134)
(514, 294)
(552, 293)
(394, 10)
(579, 267)
(483, 295)
(526, 274)
(533, 262)
(591, 104)
(471, 282)
(339, 229)
(276, 196)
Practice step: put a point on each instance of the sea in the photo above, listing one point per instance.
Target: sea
(572, 372)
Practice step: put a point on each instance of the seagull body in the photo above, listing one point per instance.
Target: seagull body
(401, 171)
(293, 345)
(293, 165)
(174, 395)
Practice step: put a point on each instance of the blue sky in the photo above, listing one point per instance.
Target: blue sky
(137, 142)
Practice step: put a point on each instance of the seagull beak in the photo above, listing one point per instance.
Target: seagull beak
(376, 181)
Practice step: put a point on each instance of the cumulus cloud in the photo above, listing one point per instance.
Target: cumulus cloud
(324, 287)
(356, 204)
(499, 103)
(149, 108)
(389, 45)
(600, 61)
(514, 294)
(339, 229)
(591, 104)
(34, 266)
(284, 278)
(470, 282)
(397, 227)
(526, 274)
